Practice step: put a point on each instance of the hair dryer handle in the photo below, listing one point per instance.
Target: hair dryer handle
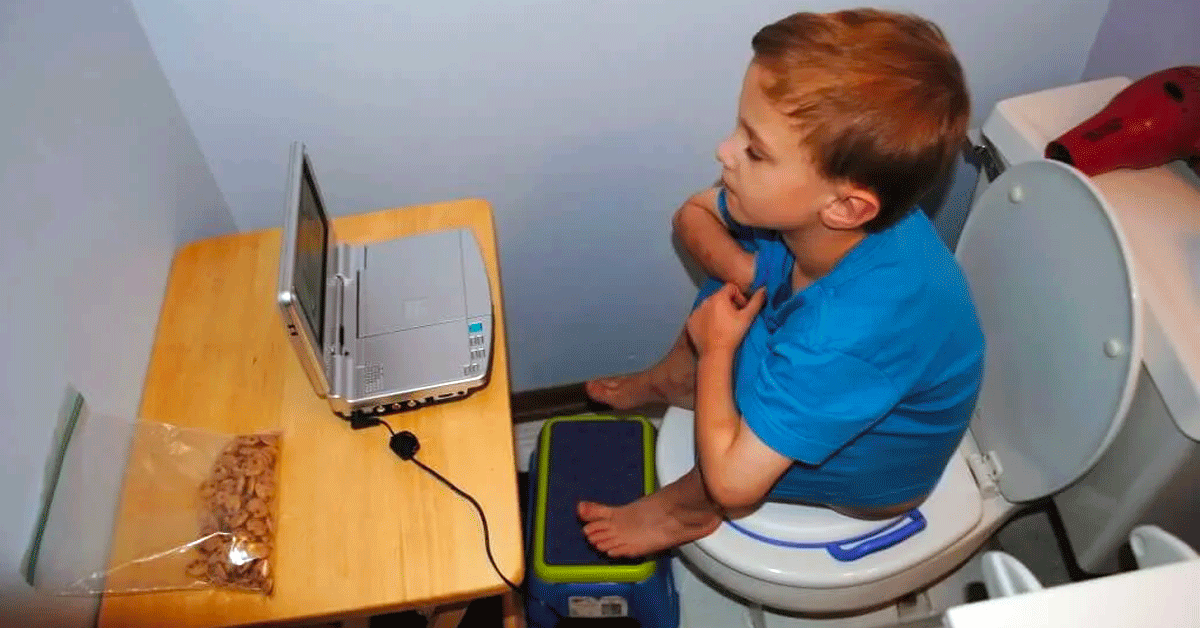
(1193, 162)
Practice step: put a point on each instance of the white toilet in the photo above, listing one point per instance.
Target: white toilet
(1060, 301)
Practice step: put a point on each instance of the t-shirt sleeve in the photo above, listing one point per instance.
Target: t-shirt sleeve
(808, 403)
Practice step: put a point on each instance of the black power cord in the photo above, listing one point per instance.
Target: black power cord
(405, 445)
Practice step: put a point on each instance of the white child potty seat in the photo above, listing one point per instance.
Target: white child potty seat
(951, 511)
(1052, 281)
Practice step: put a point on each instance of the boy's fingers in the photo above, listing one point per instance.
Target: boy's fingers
(730, 293)
(756, 301)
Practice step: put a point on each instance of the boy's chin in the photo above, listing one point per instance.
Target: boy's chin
(742, 219)
(735, 209)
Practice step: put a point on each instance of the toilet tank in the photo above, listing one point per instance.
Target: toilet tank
(1151, 472)
(1019, 128)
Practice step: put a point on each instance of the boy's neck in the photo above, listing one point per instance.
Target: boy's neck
(817, 250)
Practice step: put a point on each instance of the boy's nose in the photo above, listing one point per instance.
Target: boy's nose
(725, 152)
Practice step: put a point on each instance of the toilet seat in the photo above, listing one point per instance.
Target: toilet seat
(1052, 280)
(952, 509)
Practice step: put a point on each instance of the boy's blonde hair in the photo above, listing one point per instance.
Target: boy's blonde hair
(878, 96)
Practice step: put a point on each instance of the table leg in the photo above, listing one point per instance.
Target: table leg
(514, 613)
(447, 616)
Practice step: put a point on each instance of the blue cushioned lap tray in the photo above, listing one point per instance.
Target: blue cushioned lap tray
(600, 461)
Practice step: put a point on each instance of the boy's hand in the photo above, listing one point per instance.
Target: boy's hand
(721, 321)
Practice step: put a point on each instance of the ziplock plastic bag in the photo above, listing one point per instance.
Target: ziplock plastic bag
(138, 506)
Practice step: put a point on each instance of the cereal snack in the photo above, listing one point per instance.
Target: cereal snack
(140, 506)
(236, 516)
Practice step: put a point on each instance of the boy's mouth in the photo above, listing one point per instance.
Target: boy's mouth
(731, 200)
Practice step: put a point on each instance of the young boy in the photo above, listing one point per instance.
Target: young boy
(847, 376)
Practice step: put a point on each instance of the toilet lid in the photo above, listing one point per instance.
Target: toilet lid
(1050, 273)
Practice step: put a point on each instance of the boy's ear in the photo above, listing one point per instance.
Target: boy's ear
(854, 208)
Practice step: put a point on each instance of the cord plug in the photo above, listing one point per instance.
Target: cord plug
(361, 421)
(405, 444)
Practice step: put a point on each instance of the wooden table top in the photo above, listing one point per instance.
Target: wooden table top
(359, 532)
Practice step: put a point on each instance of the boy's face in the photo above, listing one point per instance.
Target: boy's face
(770, 177)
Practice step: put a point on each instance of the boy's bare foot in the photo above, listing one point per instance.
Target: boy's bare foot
(662, 520)
(624, 391)
(672, 380)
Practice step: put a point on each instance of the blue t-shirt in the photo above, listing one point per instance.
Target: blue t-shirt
(867, 377)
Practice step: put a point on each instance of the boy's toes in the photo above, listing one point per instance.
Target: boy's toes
(591, 511)
(623, 391)
(602, 540)
(604, 383)
(598, 532)
(609, 546)
(603, 390)
(598, 528)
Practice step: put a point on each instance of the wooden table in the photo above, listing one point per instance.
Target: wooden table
(359, 531)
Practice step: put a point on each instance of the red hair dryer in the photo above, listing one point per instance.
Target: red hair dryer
(1149, 123)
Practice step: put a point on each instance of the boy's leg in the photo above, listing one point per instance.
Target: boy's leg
(672, 380)
(677, 513)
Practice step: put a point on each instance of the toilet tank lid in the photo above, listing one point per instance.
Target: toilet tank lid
(1020, 127)
(1054, 288)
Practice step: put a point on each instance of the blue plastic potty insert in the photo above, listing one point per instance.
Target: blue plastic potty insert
(602, 459)
(855, 547)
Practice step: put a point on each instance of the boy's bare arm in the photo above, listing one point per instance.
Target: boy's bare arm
(704, 233)
(737, 467)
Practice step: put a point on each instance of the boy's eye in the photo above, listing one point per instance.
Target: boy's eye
(752, 154)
